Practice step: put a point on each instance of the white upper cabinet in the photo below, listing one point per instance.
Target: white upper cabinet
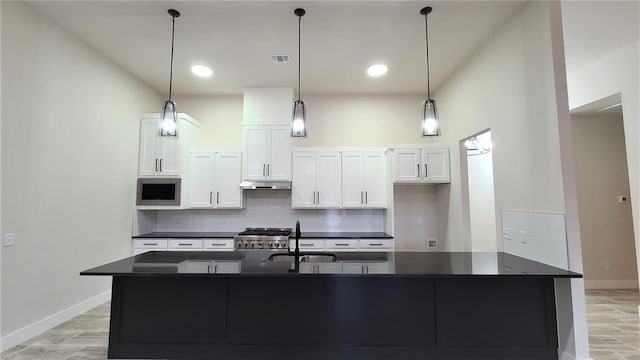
(166, 155)
(215, 180)
(267, 153)
(316, 180)
(421, 165)
(364, 180)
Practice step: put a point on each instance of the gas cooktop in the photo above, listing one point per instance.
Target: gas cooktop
(263, 238)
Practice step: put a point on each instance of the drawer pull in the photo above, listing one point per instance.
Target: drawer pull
(302, 244)
(189, 244)
(149, 244)
(376, 244)
(217, 244)
(342, 244)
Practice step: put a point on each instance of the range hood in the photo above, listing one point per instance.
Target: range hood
(273, 185)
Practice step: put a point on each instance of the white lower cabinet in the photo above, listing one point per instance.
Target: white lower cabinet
(308, 244)
(381, 267)
(209, 267)
(143, 245)
(321, 268)
(376, 245)
(226, 266)
(342, 244)
(185, 245)
(218, 245)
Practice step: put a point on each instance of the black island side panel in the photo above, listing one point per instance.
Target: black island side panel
(382, 318)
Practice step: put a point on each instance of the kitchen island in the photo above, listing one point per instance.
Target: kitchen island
(397, 305)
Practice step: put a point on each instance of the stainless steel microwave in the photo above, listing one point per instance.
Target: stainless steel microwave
(164, 192)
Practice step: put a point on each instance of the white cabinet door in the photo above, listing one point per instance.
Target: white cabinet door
(279, 162)
(201, 180)
(375, 180)
(148, 142)
(406, 165)
(168, 151)
(328, 180)
(227, 267)
(436, 165)
(352, 268)
(377, 268)
(227, 193)
(255, 152)
(329, 268)
(352, 180)
(303, 186)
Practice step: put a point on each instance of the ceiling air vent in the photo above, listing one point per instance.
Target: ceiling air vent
(280, 59)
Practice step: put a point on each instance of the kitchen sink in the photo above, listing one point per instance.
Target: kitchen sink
(304, 258)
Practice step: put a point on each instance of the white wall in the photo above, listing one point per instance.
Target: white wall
(69, 160)
(516, 86)
(416, 217)
(608, 248)
(333, 120)
(618, 72)
(482, 206)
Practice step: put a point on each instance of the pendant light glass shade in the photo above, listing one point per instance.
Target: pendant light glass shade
(430, 123)
(169, 116)
(298, 126)
(169, 119)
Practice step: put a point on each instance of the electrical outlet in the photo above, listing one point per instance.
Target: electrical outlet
(607, 266)
(432, 243)
(506, 234)
(524, 237)
(419, 220)
(9, 239)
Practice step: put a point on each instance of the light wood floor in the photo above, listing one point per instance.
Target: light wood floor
(612, 315)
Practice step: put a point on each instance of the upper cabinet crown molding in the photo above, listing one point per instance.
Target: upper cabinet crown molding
(166, 155)
(267, 106)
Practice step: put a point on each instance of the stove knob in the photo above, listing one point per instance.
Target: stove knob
(253, 244)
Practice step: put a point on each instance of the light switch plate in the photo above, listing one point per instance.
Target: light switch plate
(8, 240)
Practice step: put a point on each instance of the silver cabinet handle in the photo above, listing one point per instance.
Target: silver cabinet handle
(303, 244)
(215, 268)
(264, 166)
(210, 196)
(418, 170)
(156, 168)
(149, 244)
(426, 171)
(318, 196)
(160, 165)
(375, 244)
(218, 244)
(366, 197)
(361, 197)
(268, 169)
(217, 197)
(188, 244)
(342, 244)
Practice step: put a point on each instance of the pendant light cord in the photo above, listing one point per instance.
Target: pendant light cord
(299, 56)
(426, 31)
(173, 34)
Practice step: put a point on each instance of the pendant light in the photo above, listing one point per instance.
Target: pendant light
(430, 122)
(298, 125)
(169, 116)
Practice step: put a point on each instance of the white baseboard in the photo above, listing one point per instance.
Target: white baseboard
(567, 356)
(19, 336)
(610, 284)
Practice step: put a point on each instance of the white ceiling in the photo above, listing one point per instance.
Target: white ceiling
(593, 29)
(339, 40)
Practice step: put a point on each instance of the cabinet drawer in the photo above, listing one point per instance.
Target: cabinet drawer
(315, 244)
(218, 244)
(159, 244)
(345, 244)
(376, 244)
(185, 244)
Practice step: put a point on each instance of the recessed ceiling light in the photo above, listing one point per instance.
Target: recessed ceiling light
(377, 70)
(201, 70)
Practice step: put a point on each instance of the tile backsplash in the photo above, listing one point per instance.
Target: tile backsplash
(536, 236)
(270, 208)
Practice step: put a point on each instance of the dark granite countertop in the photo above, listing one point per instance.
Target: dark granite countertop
(303, 235)
(255, 263)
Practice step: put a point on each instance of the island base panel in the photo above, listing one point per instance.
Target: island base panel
(333, 317)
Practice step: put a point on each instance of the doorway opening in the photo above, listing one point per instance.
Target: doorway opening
(604, 202)
(479, 201)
